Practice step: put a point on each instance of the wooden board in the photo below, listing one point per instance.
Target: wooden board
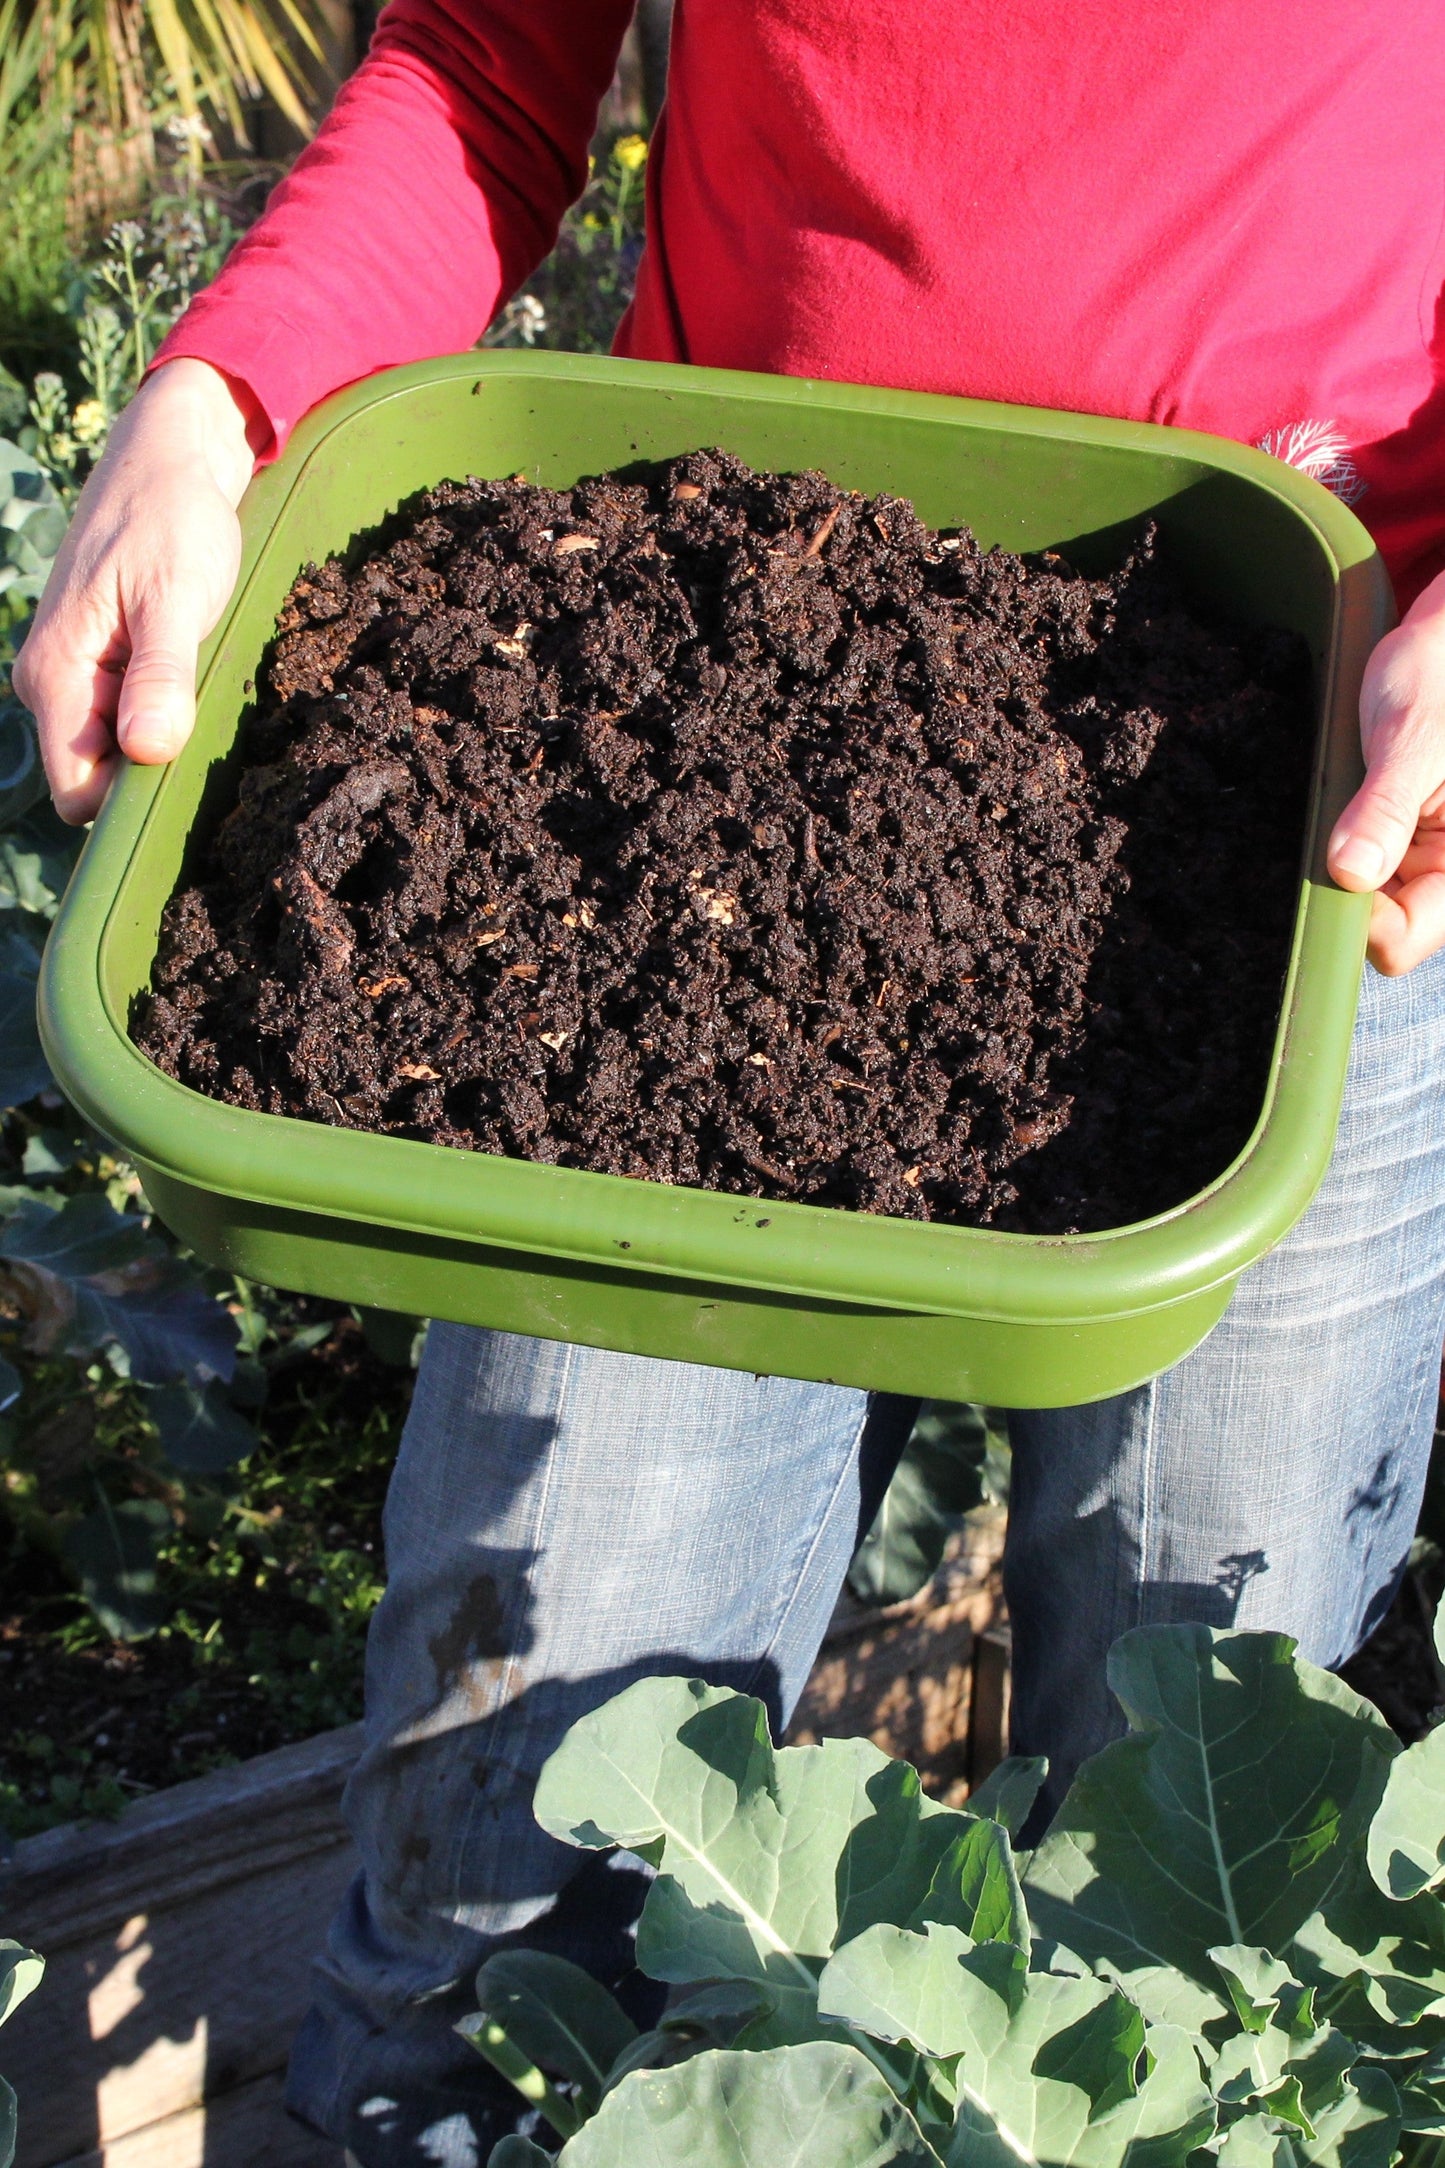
(247, 2127)
(178, 1943)
(902, 1675)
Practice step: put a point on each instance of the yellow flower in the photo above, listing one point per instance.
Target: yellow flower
(88, 421)
(630, 152)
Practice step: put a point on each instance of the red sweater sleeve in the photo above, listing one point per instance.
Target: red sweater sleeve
(434, 186)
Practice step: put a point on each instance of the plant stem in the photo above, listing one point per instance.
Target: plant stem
(490, 2040)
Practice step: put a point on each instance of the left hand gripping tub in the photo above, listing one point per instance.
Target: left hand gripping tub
(801, 1290)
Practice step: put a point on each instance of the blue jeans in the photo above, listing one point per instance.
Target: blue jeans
(563, 1521)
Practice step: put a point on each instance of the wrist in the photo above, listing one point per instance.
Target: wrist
(212, 415)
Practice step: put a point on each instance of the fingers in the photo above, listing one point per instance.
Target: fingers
(138, 691)
(157, 706)
(1402, 729)
(111, 660)
(1407, 927)
(73, 700)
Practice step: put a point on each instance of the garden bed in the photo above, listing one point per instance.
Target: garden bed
(734, 831)
(266, 1596)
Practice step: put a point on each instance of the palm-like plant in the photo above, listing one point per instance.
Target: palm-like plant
(89, 90)
(94, 79)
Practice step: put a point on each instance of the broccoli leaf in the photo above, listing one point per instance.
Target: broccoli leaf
(20, 1971)
(1196, 1832)
(765, 1858)
(200, 1432)
(938, 1479)
(518, 2152)
(562, 2019)
(1407, 1837)
(24, 1071)
(795, 2107)
(86, 1274)
(22, 778)
(1007, 1794)
(114, 1552)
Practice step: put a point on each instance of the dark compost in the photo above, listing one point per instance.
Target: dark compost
(730, 829)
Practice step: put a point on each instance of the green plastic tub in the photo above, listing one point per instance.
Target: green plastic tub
(790, 1288)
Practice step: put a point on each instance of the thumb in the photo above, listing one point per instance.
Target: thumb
(157, 706)
(1404, 763)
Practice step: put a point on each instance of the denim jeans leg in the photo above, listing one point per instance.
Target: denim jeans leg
(1273, 1478)
(561, 1522)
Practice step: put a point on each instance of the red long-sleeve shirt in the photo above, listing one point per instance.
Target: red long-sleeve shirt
(1229, 216)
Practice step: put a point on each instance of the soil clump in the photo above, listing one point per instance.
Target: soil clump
(729, 829)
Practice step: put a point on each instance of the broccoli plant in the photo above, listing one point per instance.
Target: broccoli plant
(1229, 1946)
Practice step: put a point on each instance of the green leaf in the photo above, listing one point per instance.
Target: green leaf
(114, 1552)
(558, 2015)
(1377, 1964)
(1363, 2129)
(516, 2152)
(200, 1432)
(1050, 2068)
(24, 1071)
(1251, 2069)
(1008, 2102)
(976, 1887)
(816, 2106)
(1422, 2096)
(393, 1336)
(1285, 2102)
(1008, 1793)
(7, 2124)
(37, 857)
(1254, 1980)
(512, 2062)
(1165, 1995)
(1407, 1836)
(87, 1274)
(20, 1973)
(1160, 2126)
(710, 2017)
(1256, 2141)
(1196, 1831)
(936, 1990)
(22, 777)
(765, 1858)
(937, 1481)
(49, 1152)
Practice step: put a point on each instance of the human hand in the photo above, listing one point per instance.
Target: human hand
(1391, 835)
(142, 576)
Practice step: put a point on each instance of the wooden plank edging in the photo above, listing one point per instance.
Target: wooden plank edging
(69, 1884)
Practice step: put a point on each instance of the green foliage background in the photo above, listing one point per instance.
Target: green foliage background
(180, 1463)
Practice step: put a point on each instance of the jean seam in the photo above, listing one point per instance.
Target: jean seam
(1143, 1572)
(808, 1556)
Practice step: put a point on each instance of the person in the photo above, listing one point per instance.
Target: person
(1228, 218)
